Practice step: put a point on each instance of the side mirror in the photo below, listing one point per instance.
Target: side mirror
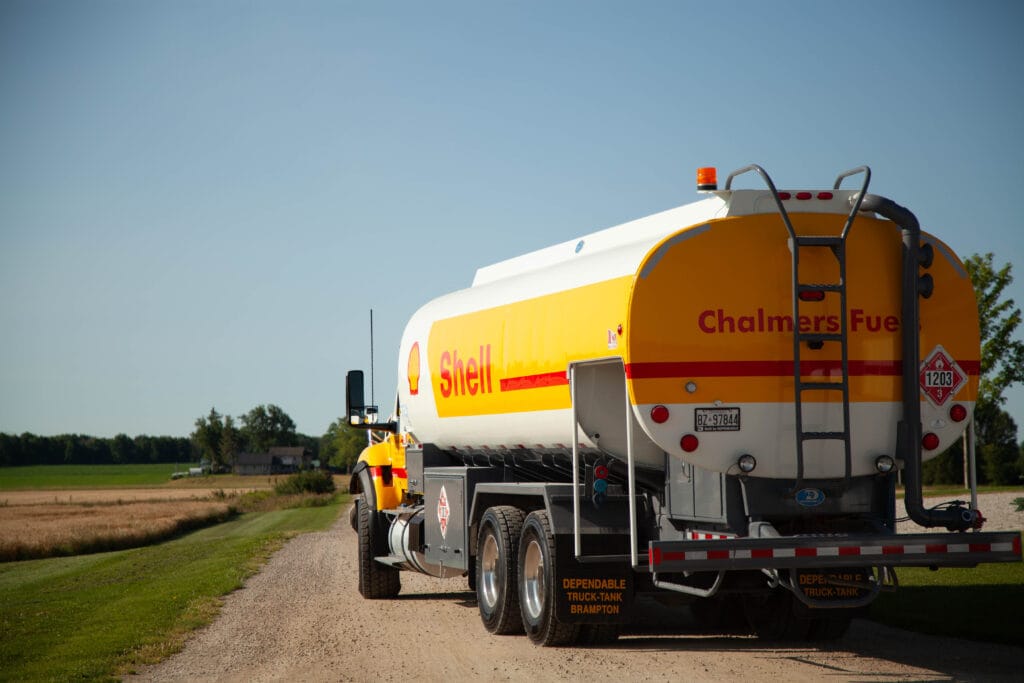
(355, 401)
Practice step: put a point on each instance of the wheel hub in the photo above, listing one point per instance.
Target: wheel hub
(533, 580)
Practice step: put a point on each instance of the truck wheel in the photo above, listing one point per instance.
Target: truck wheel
(774, 616)
(353, 513)
(829, 628)
(538, 581)
(496, 569)
(720, 613)
(376, 581)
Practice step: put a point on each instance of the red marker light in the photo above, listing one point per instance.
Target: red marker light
(930, 441)
(812, 295)
(957, 413)
(689, 443)
(803, 195)
(659, 414)
(824, 195)
(784, 195)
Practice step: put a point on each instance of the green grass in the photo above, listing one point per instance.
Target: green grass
(92, 617)
(959, 492)
(982, 603)
(85, 476)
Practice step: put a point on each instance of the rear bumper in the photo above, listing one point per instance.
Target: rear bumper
(909, 550)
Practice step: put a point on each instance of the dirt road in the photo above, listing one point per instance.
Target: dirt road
(302, 619)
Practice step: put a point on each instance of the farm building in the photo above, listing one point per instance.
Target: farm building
(278, 460)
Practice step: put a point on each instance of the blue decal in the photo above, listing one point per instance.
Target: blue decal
(810, 497)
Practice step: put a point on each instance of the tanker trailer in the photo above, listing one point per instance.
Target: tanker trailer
(708, 405)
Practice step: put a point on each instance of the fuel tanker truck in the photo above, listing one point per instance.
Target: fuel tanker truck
(710, 405)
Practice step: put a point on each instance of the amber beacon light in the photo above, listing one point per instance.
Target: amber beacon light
(707, 178)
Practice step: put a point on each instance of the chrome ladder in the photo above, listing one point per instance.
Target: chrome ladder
(815, 340)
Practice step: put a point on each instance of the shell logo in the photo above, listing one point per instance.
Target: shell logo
(414, 369)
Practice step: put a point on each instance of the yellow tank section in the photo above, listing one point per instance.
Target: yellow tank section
(513, 358)
(716, 310)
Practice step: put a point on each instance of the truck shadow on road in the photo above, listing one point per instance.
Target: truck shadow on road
(869, 651)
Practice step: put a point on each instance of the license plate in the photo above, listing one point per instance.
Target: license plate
(716, 419)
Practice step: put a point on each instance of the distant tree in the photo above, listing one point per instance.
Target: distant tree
(208, 434)
(229, 440)
(1002, 366)
(997, 451)
(341, 445)
(265, 426)
(122, 449)
(1002, 356)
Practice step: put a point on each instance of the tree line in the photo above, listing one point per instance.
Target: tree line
(81, 449)
(216, 439)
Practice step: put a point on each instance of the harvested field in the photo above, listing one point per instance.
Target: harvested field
(47, 530)
(115, 496)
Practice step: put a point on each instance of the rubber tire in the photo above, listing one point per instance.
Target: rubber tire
(353, 513)
(538, 584)
(471, 574)
(824, 629)
(497, 545)
(720, 614)
(774, 617)
(376, 581)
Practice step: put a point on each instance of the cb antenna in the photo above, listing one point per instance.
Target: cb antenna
(372, 401)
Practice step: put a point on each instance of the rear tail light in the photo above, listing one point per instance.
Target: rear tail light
(812, 295)
(689, 443)
(659, 414)
(957, 413)
(930, 441)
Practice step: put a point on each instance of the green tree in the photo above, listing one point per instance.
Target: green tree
(229, 439)
(265, 426)
(1002, 356)
(122, 449)
(341, 445)
(1002, 365)
(208, 434)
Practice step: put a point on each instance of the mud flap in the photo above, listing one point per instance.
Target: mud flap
(593, 593)
(834, 588)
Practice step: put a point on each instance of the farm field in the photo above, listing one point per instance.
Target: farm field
(47, 530)
(48, 511)
(90, 616)
(85, 476)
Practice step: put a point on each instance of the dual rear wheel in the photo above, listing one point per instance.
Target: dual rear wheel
(516, 580)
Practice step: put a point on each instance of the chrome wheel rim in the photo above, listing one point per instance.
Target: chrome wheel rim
(489, 571)
(533, 580)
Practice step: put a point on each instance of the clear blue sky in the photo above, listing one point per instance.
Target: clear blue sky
(201, 201)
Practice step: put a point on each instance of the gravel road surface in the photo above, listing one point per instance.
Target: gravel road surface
(302, 619)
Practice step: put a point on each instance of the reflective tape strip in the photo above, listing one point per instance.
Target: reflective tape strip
(917, 549)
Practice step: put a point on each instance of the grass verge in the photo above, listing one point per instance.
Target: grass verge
(982, 603)
(93, 617)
